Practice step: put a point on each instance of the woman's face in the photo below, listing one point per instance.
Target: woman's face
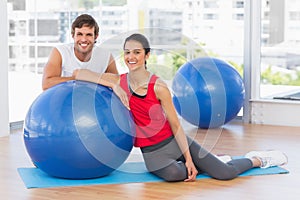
(134, 55)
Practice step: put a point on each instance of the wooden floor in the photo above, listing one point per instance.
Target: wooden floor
(234, 139)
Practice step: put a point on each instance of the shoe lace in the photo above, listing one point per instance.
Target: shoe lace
(266, 162)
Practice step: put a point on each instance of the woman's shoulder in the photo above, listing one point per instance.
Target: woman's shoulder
(157, 80)
(123, 79)
(160, 87)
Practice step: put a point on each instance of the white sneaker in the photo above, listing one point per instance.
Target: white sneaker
(224, 158)
(269, 158)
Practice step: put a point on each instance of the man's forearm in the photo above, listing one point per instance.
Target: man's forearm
(50, 82)
(106, 79)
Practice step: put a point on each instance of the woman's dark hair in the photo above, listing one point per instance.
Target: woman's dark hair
(141, 39)
(85, 20)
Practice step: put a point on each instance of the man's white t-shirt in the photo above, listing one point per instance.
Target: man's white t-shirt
(98, 62)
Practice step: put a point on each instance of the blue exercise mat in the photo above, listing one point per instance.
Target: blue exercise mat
(130, 172)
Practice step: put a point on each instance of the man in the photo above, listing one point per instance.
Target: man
(82, 54)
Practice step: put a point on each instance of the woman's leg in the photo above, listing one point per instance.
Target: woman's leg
(166, 162)
(210, 164)
(176, 171)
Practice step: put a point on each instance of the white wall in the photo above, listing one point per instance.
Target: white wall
(275, 112)
(4, 120)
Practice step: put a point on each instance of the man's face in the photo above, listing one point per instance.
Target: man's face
(84, 39)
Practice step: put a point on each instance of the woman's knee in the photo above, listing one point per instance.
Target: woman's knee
(174, 176)
(172, 173)
(225, 175)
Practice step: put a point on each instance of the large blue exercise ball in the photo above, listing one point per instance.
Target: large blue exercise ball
(78, 130)
(208, 92)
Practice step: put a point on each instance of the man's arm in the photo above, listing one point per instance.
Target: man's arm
(111, 68)
(52, 71)
(106, 79)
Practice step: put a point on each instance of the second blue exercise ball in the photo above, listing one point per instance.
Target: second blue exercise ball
(78, 130)
(208, 92)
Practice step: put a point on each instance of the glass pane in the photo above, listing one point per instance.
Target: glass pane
(35, 26)
(178, 31)
(280, 49)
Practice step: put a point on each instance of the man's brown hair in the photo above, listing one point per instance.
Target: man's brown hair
(85, 20)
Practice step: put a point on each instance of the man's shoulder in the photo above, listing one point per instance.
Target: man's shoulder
(102, 49)
(64, 47)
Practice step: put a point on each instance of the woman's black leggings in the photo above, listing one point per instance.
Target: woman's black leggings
(167, 162)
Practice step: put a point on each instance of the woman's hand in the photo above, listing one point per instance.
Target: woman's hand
(122, 95)
(192, 171)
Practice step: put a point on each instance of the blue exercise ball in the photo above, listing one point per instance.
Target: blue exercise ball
(78, 130)
(208, 92)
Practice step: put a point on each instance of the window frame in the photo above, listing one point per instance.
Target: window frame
(4, 119)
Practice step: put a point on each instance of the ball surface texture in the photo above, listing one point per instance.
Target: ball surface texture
(208, 92)
(78, 130)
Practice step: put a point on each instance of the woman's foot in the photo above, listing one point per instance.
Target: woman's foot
(268, 158)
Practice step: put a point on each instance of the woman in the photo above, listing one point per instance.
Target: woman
(167, 151)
